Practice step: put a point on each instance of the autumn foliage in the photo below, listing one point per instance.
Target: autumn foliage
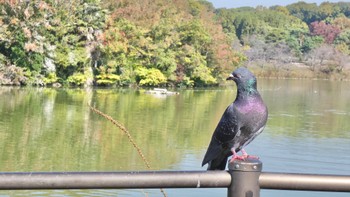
(301, 33)
(327, 31)
(159, 42)
(92, 42)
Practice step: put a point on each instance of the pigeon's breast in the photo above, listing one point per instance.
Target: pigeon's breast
(254, 116)
(252, 105)
(253, 119)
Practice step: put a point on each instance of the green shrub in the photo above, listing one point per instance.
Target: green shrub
(107, 79)
(150, 77)
(77, 79)
(50, 78)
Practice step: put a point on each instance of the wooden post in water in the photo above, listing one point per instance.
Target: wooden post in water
(245, 178)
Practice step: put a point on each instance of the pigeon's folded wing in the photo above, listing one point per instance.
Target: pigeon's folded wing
(224, 133)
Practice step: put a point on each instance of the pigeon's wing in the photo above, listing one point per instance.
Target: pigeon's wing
(225, 132)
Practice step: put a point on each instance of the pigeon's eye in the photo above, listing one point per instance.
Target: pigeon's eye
(237, 75)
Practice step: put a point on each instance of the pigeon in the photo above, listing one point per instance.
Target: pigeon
(242, 121)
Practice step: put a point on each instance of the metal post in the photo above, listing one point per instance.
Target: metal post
(245, 178)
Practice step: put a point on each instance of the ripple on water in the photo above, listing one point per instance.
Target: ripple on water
(337, 112)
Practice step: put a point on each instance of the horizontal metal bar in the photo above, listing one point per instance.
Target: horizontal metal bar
(114, 180)
(166, 179)
(311, 182)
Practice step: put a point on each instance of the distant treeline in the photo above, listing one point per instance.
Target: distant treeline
(161, 42)
(317, 36)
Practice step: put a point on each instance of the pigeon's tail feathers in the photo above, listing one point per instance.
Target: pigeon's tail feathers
(216, 156)
(217, 164)
(212, 152)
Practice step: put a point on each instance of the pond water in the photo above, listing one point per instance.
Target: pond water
(44, 129)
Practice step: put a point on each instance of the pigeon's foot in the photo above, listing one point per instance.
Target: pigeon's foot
(235, 156)
(246, 156)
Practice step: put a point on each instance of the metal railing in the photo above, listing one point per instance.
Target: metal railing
(244, 178)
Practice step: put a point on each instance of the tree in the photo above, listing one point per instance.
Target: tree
(278, 53)
(328, 10)
(185, 43)
(327, 31)
(327, 59)
(281, 9)
(342, 22)
(50, 39)
(317, 56)
(343, 42)
(307, 12)
(344, 8)
(246, 24)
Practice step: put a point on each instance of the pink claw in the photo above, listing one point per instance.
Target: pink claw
(236, 156)
(245, 154)
(243, 157)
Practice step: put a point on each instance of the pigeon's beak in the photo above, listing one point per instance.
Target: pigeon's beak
(230, 77)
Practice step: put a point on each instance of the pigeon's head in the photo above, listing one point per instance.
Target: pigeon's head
(243, 78)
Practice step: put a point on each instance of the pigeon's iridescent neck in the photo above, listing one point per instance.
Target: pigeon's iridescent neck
(248, 96)
(244, 93)
(248, 104)
(247, 88)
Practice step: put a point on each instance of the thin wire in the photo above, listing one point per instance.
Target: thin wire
(121, 127)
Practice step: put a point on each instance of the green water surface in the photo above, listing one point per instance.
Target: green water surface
(47, 129)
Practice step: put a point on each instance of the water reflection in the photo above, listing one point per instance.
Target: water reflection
(43, 129)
